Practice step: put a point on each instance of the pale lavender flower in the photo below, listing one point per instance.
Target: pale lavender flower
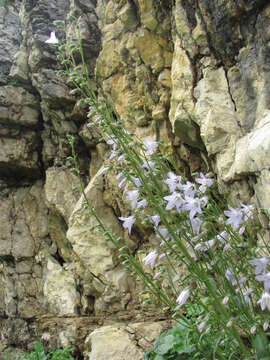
(142, 204)
(204, 182)
(230, 277)
(222, 237)
(225, 300)
(128, 222)
(122, 183)
(253, 330)
(150, 259)
(193, 205)
(265, 326)
(248, 211)
(112, 141)
(53, 39)
(150, 147)
(156, 220)
(157, 275)
(247, 298)
(196, 225)
(121, 159)
(136, 181)
(162, 256)
(189, 189)
(201, 326)
(174, 200)
(265, 301)
(132, 197)
(182, 298)
(266, 280)
(113, 154)
(207, 245)
(173, 181)
(259, 264)
(234, 216)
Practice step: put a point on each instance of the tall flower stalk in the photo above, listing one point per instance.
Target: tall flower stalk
(205, 253)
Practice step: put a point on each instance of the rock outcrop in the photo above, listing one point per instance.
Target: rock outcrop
(194, 74)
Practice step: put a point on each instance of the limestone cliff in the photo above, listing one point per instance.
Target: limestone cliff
(193, 73)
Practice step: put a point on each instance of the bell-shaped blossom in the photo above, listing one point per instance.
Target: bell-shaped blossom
(207, 245)
(204, 182)
(259, 264)
(265, 301)
(150, 259)
(248, 211)
(235, 217)
(193, 205)
(112, 141)
(174, 200)
(247, 295)
(149, 165)
(132, 197)
(136, 181)
(156, 220)
(189, 189)
(196, 224)
(150, 146)
(173, 181)
(128, 222)
(230, 277)
(265, 326)
(142, 204)
(222, 237)
(265, 278)
(53, 39)
(182, 298)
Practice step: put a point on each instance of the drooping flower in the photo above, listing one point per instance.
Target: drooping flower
(247, 298)
(156, 220)
(150, 259)
(189, 189)
(266, 280)
(204, 182)
(193, 205)
(222, 237)
(174, 200)
(128, 222)
(235, 217)
(132, 197)
(142, 204)
(248, 211)
(136, 181)
(182, 298)
(53, 39)
(173, 181)
(204, 246)
(196, 225)
(265, 301)
(259, 264)
(253, 330)
(150, 146)
(230, 276)
(148, 165)
(162, 256)
(265, 326)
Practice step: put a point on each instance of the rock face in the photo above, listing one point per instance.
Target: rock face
(195, 74)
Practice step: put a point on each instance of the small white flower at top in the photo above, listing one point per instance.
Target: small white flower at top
(204, 182)
(53, 39)
(150, 146)
(150, 259)
(182, 298)
(128, 222)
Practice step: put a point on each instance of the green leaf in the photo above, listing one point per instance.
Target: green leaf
(165, 345)
(261, 346)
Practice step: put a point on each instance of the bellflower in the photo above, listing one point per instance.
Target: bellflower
(248, 211)
(148, 165)
(150, 146)
(142, 204)
(235, 218)
(53, 39)
(136, 181)
(265, 301)
(128, 222)
(193, 205)
(182, 298)
(174, 200)
(132, 197)
(173, 181)
(204, 182)
(196, 225)
(230, 277)
(260, 265)
(266, 280)
(156, 220)
(189, 189)
(150, 259)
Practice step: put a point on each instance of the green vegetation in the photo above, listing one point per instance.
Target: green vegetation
(39, 353)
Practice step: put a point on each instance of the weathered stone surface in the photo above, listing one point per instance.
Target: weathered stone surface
(60, 290)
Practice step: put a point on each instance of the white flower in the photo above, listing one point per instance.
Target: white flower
(225, 300)
(128, 222)
(157, 275)
(189, 189)
(205, 182)
(53, 39)
(132, 197)
(156, 220)
(193, 205)
(174, 200)
(235, 217)
(182, 298)
(196, 225)
(265, 326)
(266, 280)
(162, 256)
(150, 146)
(173, 181)
(162, 233)
(265, 301)
(150, 259)
(248, 211)
(222, 237)
(260, 265)
(247, 294)
(230, 276)
(111, 140)
(253, 330)
(142, 204)
(136, 181)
